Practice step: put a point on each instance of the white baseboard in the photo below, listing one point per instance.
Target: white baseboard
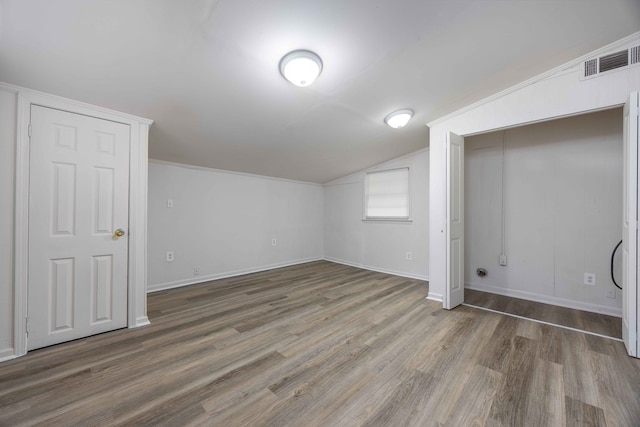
(7, 354)
(379, 270)
(578, 305)
(140, 321)
(435, 297)
(201, 279)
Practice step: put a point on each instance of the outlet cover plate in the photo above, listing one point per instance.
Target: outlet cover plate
(590, 279)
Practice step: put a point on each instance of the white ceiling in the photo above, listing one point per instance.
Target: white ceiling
(206, 71)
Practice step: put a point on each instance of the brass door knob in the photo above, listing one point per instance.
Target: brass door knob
(118, 233)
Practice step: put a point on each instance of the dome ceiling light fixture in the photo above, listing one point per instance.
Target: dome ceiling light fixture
(301, 67)
(399, 118)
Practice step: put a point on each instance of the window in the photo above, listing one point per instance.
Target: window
(387, 195)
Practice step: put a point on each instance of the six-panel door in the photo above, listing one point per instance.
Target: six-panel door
(79, 191)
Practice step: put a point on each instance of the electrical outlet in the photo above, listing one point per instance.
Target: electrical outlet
(169, 203)
(611, 293)
(503, 260)
(590, 279)
(409, 256)
(274, 241)
(196, 271)
(169, 256)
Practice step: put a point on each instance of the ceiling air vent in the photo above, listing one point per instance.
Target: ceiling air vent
(611, 61)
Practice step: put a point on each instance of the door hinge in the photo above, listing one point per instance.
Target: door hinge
(29, 130)
(27, 324)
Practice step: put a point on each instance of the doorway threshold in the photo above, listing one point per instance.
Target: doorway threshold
(596, 324)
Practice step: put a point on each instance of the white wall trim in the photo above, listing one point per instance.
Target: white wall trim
(566, 67)
(138, 195)
(201, 279)
(435, 297)
(230, 172)
(21, 228)
(7, 354)
(531, 296)
(137, 204)
(379, 270)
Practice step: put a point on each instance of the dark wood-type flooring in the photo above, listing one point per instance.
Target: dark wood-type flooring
(592, 322)
(323, 344)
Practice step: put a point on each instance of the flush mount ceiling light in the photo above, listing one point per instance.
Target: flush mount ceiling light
(398, 119)
(301, 67)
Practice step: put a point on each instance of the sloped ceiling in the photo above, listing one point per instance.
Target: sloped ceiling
(206, 71)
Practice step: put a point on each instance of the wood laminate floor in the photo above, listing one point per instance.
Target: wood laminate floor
(592, 322)
(323, 344)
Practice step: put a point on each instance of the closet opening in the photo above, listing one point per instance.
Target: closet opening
(543, 213)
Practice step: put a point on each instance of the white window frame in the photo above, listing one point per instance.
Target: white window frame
(402, 219)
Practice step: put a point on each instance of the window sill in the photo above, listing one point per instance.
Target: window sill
(389, 220)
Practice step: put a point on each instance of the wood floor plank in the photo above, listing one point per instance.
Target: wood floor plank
(614, 389)
(580, 414)
(473, 405)
(511, 401)
(324, 344)
(545, 398)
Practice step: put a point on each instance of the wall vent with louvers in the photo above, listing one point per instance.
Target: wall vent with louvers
(612, 61)
(591, 67)
(634, 55)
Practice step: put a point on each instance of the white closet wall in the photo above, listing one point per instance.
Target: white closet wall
(563, 210)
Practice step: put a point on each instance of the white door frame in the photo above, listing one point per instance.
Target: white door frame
(137, 269)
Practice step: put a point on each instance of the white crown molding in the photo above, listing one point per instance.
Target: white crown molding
(229, 172)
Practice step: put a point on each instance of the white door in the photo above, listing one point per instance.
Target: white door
(630, 296)
(454, 294)
(78, 205)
